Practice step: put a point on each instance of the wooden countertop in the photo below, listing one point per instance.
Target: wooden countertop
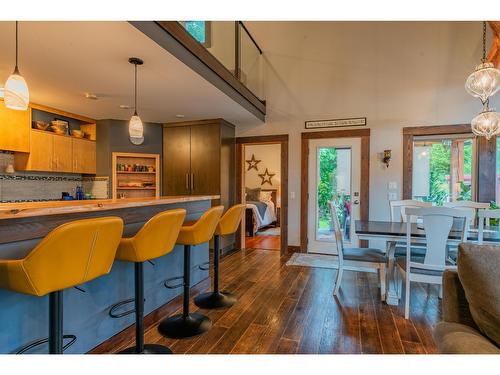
(31, 209)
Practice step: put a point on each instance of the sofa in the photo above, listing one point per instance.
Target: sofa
(471, 303)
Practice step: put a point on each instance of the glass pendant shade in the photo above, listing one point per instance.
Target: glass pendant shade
(486, 124)
(136, 130)
(16, 93)
(483, 82)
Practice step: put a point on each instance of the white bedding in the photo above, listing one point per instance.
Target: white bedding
(269, 215)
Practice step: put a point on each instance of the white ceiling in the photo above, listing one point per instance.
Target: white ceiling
(61, 61)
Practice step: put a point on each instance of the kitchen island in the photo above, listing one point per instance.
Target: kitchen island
(87, 308)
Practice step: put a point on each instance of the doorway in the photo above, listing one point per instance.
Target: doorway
(262, 184)
(334, 165)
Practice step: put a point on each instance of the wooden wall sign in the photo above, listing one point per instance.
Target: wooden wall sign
(336, 123)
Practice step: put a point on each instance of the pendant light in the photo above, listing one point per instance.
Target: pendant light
(16, 93)
(485, 80)
(135, 127)
(487, 123)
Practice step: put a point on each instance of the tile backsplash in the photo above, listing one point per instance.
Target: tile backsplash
(39, 185)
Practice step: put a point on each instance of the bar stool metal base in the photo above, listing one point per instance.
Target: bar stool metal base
(178, 326)
(215, 300)
(148, 349)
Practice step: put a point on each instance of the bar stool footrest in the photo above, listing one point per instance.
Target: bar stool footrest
(179, 326)
(148, 349)
(215, 300)
(34, 344)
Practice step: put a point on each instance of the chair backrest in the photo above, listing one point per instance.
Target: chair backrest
(473, 207)
(157, 237)
(339, 241)
(204, 228)
(485, 214)
(438, 222)
(401, 206)
(230, 221)
(73, 253)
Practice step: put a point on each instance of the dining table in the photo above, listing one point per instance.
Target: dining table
(394, 234)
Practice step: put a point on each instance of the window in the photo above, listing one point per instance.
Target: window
(443, 168)
(200, 30)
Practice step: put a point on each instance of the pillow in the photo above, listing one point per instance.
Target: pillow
(253, 194)
(266, 196)
(478, 271)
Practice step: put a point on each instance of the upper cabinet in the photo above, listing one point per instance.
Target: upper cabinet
(14, 129)
(50, 152)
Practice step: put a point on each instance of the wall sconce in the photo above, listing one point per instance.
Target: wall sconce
(387, 157)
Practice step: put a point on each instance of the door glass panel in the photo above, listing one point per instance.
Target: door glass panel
(334, 184)
(443, 169)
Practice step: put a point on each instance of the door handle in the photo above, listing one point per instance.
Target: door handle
(192, 182)
(187, 181)
(356, 201)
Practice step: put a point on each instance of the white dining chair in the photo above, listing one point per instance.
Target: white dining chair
(473, 207)
(398, 209)
(437, 223)
(357, 259)
(485, 215)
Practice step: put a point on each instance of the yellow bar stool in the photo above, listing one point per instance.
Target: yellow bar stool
(228, 224)
(186, 324)
(72, 254)
(156, 238)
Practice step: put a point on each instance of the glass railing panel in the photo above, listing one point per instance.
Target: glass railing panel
(250, 63)
(218, 37)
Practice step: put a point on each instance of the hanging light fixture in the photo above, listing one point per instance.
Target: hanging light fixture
(16, 93)
(485, 80)
(135, 127)
(487, 123)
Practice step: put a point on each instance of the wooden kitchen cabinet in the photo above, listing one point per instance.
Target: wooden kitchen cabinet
(62, 154)
(84, 156)
(40, 157)
(14, 129)
(177, 150)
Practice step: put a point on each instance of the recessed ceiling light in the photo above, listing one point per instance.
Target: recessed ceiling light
(90, 96)
(124, 106)
(179, 116)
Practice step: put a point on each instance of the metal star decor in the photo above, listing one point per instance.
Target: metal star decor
(266, 177)
(252, 163)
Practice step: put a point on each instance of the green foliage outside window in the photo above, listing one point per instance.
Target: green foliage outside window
(196, 29)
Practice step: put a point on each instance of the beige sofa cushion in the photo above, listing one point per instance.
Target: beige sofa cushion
(455, 338)
(479, 273)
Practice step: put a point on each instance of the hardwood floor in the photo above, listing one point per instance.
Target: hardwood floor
(262, 241)
(283, 309)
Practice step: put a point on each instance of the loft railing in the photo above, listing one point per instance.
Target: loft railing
(223, 52)
(233, 46)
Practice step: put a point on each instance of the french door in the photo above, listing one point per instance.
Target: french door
(334, 175)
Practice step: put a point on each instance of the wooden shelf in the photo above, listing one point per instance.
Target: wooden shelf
(138, 178)
(136, 188)
(126, 172)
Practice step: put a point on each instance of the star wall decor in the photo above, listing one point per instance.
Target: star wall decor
(252, 163)
(266, 177)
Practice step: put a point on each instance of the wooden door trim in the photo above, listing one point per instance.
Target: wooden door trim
(485, 158)
(267, 139)
(364, 135)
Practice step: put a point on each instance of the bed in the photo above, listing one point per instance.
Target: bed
(259, 214)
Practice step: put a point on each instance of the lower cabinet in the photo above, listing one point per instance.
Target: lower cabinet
(55, 153)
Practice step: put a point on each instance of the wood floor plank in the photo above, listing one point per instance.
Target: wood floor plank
(287, 346)
(369, 331)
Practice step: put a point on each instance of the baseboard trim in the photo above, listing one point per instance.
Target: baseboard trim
(294, 249)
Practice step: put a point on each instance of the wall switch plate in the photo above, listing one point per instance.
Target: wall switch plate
(292, 195)
(393, 185)
(392, 196)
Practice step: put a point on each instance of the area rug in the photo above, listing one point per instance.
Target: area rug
(271, 232)
(313, 260)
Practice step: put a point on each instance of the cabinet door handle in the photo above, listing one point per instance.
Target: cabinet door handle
(192, 182)
(187, 181)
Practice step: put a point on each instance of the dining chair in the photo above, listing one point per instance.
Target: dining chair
(402, 205)
(437, 224)
(485, 214)
(356, 259)
(473, 207)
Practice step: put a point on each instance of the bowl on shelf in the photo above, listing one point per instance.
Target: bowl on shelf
(77, 133)
(41, 125)
(87, 136)
(59, 127)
